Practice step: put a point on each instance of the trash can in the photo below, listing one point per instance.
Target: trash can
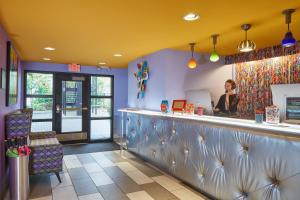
(19, 178)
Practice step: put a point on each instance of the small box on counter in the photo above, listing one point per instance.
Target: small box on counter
(200, 110)
(272, 114)
(189, 108)
(259, 116)
(164, 106)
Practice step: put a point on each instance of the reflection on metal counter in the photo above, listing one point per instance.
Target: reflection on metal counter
(223, 158)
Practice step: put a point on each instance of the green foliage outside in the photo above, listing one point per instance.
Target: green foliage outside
(39, 84)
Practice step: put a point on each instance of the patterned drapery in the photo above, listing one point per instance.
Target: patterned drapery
(254, 78)
(260, 54)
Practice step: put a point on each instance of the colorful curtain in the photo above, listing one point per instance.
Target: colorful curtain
(260, 54)
(254, 78)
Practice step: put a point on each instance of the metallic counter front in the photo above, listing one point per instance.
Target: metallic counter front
(225, 162)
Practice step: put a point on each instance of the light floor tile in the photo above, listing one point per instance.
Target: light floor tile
(141, 195)
(43, 198)
(100, 178)
(167, 183)
(139, 177)
(67, 192)
(126, 166)
(104, 162)
(96, 196)
(73, 163)
(70, 157)
(92, 168)
(65, 180)
(65, 169)
(186, 194)
(97, 155)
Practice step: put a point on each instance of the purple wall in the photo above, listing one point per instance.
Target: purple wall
(120, 83)
(3, 109)
(170, 77)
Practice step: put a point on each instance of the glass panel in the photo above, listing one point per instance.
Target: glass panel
(41, 126)
(100, 86)
(39, 84)
(100, 129)
(42, 107)
(71, 114)
(100, 107)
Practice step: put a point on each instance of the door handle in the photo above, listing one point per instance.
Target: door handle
(58, 109)
(74, 109)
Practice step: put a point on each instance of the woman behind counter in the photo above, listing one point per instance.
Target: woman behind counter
(228, 102)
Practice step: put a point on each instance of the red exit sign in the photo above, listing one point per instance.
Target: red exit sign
(74, 67)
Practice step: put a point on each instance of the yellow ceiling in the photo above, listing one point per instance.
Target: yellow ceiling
(90, 31)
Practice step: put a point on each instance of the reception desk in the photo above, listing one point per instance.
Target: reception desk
(223, 158)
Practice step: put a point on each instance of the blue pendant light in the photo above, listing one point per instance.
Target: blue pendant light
(214, 57)
(288, 39)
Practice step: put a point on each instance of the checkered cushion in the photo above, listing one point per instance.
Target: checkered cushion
(46, 155)
(18, 123)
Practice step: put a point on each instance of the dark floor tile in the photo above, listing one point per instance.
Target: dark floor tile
(112, 192)
(85, 158)
(114, 172)
(145, 168)
(158, 192)
(90, 148)
(84, 186)
(78, 173)
(40, 185)
(127, 185)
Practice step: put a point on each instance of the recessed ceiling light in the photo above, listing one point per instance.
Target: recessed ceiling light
(191, 17)
(102, 63)
(49, 48)
(46, 59)
(118, 55)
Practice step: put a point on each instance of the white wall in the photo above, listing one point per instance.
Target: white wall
(170, 77)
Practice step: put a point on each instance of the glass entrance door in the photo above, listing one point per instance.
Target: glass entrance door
(71, 107)
(101, 112)
(79, 107)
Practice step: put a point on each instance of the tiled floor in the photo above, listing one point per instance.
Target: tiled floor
(109, 176)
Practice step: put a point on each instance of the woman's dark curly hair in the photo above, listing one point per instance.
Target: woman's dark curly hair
(233, 85)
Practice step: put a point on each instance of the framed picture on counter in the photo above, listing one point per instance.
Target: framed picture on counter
(178, 105)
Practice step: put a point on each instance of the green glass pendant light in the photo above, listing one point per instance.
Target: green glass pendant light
(214, 57)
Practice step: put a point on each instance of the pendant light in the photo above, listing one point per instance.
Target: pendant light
(288, 39)
(192, 62)
(214, 57)
(246, 45)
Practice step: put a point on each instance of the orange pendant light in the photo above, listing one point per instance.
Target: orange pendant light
(192, 62)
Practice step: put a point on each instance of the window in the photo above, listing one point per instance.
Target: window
(39, 97)
(101, 105)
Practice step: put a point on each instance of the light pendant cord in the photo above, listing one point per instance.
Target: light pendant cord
(192, 49)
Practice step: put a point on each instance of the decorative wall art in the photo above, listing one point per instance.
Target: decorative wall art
(2, 78)
(254, 78)
(142, 75)
(11, 75)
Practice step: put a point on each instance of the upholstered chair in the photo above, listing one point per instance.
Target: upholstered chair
(46, 154)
